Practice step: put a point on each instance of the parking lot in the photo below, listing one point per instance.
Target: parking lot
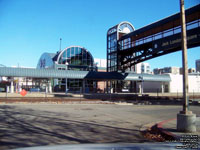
(24, 125)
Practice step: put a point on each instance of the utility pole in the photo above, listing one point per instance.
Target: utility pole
(185, 119)
(184, 59)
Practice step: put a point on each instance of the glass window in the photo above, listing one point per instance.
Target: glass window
(177, 30)
(64, 55)
(84, 55)
(192, 25)
(84, 62)
(77, 58)
(76, 51)
(68, 52)
(79, 51)
(72, 51)
(168, 33)
(158, 36)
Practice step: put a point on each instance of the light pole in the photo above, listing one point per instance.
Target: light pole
(185, 119)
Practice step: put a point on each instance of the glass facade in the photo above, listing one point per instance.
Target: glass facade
(76, 58)
(112, 52)
(113, 35)
(113, 48)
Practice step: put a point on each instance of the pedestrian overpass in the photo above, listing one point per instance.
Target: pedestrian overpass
(154, 40)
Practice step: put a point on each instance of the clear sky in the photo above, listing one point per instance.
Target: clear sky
(29, 28)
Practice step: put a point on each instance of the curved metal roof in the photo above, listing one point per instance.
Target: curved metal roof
(53, 73)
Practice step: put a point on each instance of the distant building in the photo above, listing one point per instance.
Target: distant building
(176, 84)
(197, 63)
(172, 70)
(191, 70)
(101, 64)
(157, 71)
(173, 86)
(143, 68)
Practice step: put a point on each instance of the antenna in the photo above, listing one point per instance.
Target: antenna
(60, 43)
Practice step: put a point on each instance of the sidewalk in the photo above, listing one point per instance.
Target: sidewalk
(169, 127)
(166, 132)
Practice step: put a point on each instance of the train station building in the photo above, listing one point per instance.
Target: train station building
(71, 58)
(74, 69)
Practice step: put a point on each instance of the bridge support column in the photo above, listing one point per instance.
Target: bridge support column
(140, 87)
(111, 87)
(83, 86)
(66, 88)
(162, 87)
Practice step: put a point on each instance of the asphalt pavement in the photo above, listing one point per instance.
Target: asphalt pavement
(27, 125)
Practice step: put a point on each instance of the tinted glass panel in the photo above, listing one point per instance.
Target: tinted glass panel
(77, 58)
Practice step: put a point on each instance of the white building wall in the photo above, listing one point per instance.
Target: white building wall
(194, 83)
(176, 84)
(143, 68)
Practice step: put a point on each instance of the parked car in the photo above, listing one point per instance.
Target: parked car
(35, 90)
(125, 90)
(2, 89)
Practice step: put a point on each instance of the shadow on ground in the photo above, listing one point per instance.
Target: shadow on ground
(26, 127)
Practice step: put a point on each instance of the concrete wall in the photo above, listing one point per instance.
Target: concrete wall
(176, 84)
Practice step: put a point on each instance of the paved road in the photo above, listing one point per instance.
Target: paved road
(23, 125)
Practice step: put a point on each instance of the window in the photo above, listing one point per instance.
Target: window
(78, 58)
(72, 51)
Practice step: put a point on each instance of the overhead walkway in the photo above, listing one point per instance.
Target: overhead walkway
(159, 38)
(70, 74)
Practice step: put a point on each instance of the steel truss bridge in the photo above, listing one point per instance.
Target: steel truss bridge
(159, 38)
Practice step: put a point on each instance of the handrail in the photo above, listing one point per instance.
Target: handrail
(127, 43)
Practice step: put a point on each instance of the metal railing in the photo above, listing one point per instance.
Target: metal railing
(127, 43)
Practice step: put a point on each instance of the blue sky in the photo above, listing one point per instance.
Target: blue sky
(29, 28)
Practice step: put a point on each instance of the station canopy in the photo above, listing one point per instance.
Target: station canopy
(72, 74)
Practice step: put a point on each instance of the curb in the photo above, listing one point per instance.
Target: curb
(165, 132)
(158, 128)
(146, 129)
(148, 126)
